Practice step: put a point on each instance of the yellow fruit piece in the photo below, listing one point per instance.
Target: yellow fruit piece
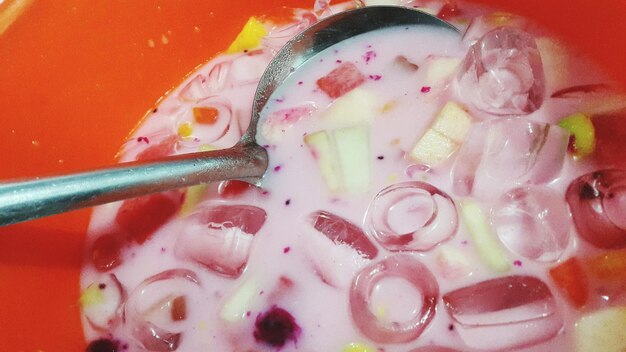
(249, 37)
(185, 129)
(193, 196)
(581, 129)
(357, 347)
(603, 330)
(91, 296)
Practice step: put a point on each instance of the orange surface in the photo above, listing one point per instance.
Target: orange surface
(75, 77)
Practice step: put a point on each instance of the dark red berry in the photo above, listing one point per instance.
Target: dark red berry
(275, 327)
(102, 345)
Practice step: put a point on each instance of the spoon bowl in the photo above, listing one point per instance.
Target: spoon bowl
(31, 199)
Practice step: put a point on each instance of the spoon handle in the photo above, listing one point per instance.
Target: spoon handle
(31, 199)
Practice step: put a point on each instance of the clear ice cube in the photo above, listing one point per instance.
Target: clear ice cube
(502, 73)
(411, 216)
(503, 153)
(597, 201)
(532, 222)
(504, 313)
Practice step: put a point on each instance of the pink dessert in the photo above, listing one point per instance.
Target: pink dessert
(427, 191)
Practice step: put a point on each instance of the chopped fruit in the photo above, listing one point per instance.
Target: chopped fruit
(240, 302)
(106, 250)
(279, 122)
(193, 196)
(249, 38)
(603, 330)
(358, 347)
(582, 138)
(185, 130)
(443, 137)
(205, 115)
(141, 217)
(343, 158)
(102, 345)
(101, 302)
(440, 69)
(449, 10)
(453, 263)
(483, 236)
(609, 266)
(275, 327)
(357, 106)
(162, 149)
(341, 80)
(179, 308)
(235, 188)
(569, 276)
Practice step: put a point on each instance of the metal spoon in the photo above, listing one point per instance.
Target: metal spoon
(21, 201)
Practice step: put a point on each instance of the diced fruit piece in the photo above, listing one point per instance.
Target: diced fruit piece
(504, 314)
(338, 229)
(432, 149)
(582, 138)
(275, 327)
(357, 106)
(453, 263)
(165, 147)
(569, 276)
(185, 130)
(446, 133)
(277, 123)
(343, 158)
(205, 115)
(352, 147)
(101, 302)
(341, 80)
(106, 251)
(483, 236)
(358, 347)
(102, 345)
(193, 196)
(235, 188)
(249, 37)
(141, 217)
(603, 330)
(240, 302)
(609, 266)
(179, 308)
(449, 10)
(440, 70)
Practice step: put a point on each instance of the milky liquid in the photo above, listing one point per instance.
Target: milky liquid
(291, 265)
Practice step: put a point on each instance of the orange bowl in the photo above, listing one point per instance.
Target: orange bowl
(76, 76)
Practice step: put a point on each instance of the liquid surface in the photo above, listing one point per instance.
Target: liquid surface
(419, 194)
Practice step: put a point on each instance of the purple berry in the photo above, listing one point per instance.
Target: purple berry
(102, 345)
(275, 327)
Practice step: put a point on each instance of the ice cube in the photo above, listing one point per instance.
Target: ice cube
(503, 74)
(156, 311)
(195, 90)
(338, 229)
(281, 33)
(400, 266)
(480, 25)
(220, 237)
(504, 313)
(533, 222)
(598, 204)
(503, 153)
(411, 216)
(249, 67)
(211, 129)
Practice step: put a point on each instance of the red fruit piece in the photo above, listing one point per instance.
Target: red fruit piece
(609, 266)
(162, 149)
(569, 276)
(105, 252)
(141, 217)
(610, 136)
(235, 188)
(102, 345)
(449, 10)
(338, 229)
(341, 80)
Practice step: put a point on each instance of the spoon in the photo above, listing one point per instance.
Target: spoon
(31, 199)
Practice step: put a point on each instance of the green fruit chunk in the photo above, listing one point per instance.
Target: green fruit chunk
(583, 137)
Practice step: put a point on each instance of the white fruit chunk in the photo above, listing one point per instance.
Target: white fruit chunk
(343, 158)
(444, 136)
(440, 69)
(483, 236)
(240, 302)
(356, 107)
(603, 330)
(101, 301)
